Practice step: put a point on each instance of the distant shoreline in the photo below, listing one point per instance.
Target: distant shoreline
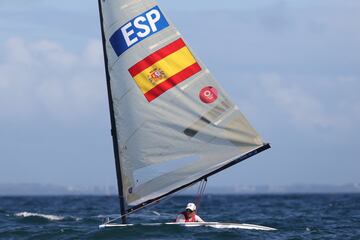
(30, 189)
(181, 195)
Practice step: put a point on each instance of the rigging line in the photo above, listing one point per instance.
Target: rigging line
(198, 192)
(201, 193)
(201, 190)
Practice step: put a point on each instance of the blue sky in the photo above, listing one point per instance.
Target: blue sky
(291, 66)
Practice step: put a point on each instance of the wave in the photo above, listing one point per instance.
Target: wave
(45, 216)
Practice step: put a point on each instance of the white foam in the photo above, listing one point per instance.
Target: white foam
(46, 216)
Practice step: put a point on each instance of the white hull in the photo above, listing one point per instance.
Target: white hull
(218, 225)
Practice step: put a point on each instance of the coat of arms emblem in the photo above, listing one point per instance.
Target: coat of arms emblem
(156, 75)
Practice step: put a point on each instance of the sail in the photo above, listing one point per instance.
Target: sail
(174, 123)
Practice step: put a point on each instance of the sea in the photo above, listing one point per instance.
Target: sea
(295, 216)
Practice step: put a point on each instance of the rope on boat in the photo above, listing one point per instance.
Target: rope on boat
(200, 192)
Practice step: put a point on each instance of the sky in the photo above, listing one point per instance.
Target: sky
(293, 68)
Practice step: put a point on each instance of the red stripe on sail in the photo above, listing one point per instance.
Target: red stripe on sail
(156, 56)
(172, 82)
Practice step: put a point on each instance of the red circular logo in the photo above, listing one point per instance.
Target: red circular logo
(208, 94)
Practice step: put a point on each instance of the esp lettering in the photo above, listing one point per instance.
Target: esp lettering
(138, 29)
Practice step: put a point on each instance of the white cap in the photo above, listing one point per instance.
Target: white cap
(191, 206)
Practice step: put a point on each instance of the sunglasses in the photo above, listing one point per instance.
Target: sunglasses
(188, 210)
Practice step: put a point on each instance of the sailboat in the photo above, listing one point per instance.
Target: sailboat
(172, 124)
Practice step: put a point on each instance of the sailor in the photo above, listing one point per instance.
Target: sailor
(189, 215)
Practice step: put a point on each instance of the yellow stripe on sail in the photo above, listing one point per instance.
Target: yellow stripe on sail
(170, 65)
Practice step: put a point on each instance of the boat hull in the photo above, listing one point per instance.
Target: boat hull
(217, 225)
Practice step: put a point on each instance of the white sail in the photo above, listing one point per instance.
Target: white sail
(174, 122)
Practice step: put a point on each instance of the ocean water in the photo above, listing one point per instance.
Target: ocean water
(323, 216)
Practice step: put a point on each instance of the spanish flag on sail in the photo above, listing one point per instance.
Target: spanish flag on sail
(164, 69)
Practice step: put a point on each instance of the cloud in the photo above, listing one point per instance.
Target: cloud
(309, 109)
(300, 106)
(43, 78)
(316, 104)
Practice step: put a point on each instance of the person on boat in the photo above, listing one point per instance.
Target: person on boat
(189, 215)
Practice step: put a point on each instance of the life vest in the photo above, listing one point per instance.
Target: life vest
(192, 219)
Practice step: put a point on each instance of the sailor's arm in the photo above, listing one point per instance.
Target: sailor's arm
(198, 219)
(180, 218)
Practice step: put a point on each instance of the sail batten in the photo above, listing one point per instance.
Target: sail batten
(176, 124)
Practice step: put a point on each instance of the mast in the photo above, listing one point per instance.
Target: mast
(113, 125)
